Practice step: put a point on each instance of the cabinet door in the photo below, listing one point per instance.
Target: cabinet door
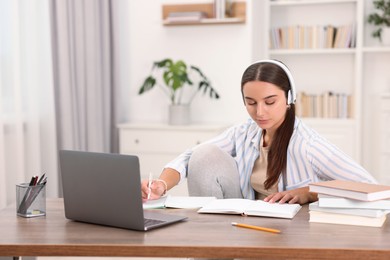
(157, 145)
(161, 141)
(383, 153)
(343, 135)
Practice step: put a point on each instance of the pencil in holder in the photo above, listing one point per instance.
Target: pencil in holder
(30, 200)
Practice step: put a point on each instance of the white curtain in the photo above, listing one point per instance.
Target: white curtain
(58, 85)
(82, 74)
(27, 114)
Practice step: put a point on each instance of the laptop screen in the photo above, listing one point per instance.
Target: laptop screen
(103, 188)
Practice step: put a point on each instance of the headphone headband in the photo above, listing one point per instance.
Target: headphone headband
(292, 95)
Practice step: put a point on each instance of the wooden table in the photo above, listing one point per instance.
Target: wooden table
(203, 235)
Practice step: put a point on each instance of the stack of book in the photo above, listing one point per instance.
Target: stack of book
(326, 105)
(350, 203)
(313, 37)
(183, 17)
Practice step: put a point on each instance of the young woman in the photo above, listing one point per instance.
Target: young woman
(273, 156)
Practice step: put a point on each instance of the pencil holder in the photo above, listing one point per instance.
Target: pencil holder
(30, 200)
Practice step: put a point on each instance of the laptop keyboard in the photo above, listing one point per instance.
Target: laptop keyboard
(151, 222)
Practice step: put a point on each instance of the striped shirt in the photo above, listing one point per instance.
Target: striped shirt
(310, 157)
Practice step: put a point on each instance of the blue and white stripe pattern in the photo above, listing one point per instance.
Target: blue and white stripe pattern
(310, 157)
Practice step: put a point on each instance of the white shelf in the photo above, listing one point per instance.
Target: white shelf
(312, 51)
(238, 13)
(364, 70)
(315, 69)
(231, 20)
(308, 2)
(379, 49)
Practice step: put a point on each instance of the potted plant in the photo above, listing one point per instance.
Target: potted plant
(381, 19)
(181, 84)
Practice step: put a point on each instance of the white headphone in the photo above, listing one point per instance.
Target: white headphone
(292, 95)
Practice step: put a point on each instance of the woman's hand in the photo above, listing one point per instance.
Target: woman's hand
(299, 195)
(168, 179)
(156, 189)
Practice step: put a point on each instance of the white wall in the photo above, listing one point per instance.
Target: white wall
(221, 51)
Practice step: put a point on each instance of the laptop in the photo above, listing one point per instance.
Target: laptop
(105, 189)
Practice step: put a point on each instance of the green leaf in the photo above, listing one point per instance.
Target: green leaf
(147, 85)
(382, 15)
(205, 85)
(164, 63)
(175, 76)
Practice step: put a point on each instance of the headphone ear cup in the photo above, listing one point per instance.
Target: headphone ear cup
(289, 98)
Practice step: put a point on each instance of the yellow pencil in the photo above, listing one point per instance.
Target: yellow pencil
(256, 227)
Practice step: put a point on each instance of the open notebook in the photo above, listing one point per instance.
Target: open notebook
(179, 202)
(251, 208)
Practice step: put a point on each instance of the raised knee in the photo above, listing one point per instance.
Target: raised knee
(205, 151)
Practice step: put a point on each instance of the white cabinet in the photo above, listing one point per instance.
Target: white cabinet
(375, 101)
(339, 132)
(157, 144)
(381, 150)
(375, 105)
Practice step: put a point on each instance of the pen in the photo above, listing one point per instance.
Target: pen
(32, 181)
(41, 179)
(256, 227)
(150, 184)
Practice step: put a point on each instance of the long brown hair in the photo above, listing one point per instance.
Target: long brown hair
(277, 155)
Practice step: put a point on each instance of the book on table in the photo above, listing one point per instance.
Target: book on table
(345, 219)
(373, 213)
(328, 201)
(251, 208)
(353, 190)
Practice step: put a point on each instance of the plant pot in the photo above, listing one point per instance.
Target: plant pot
(386, 36)
(179, 115)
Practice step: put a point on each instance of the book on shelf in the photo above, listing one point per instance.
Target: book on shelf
(251, 208)
(325, 105)
(328, 201)
(179, 202)
(219, 9)
(353, 190)
(373, 213)
(312, 37)
(180, 17)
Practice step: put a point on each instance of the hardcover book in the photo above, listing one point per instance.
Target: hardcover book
(335, 218)
(185, 17)
(329, 201)
(353, 190)
(373, 213)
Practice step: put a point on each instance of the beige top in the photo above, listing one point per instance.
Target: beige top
(259, 174)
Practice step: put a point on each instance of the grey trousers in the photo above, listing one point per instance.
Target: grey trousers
(213, 172)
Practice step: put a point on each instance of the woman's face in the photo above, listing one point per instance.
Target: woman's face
(266, 104)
